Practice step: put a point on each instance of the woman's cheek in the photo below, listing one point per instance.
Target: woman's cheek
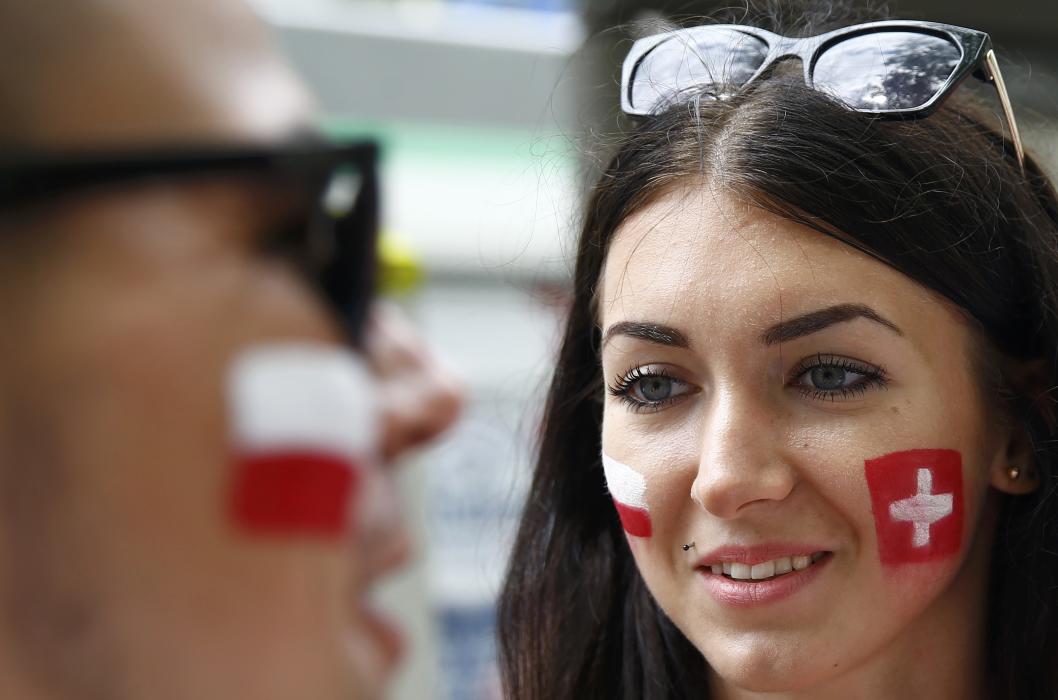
(628, 489)
(916, 502)
(917, 505)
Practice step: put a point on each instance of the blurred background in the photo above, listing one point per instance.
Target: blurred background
(490, 114)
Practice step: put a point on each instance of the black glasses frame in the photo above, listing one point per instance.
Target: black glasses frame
(978, 59)
(342, 179)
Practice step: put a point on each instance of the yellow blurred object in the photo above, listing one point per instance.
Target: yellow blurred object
(400, 267)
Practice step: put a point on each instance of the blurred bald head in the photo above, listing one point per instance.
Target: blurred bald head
(122, 308)
(98, 73)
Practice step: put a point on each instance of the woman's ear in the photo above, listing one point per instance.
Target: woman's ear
(1014, 470)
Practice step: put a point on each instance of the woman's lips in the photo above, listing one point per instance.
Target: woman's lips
(746, 577)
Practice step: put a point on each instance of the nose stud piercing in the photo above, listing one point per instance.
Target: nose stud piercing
(688, 546)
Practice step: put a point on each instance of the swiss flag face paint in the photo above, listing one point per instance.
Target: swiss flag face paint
(628, 489)
(917, 500)
(303, 428)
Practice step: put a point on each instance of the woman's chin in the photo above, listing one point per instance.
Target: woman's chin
(769, 669)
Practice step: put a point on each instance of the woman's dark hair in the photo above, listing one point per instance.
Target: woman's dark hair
(941, 199)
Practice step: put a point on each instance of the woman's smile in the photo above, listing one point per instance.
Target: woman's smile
(748, 576)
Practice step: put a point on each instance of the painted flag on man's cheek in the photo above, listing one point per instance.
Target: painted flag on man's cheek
(628, 489)
(303, 431)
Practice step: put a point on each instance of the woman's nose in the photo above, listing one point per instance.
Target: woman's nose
(419, 398)
(740, 467)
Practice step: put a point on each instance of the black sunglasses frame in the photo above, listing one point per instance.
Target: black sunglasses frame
(977, 59)
(346, 280)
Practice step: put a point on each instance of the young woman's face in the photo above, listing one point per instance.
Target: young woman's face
(812, 421)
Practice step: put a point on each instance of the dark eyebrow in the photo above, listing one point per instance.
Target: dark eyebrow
(815, 321)
(651, 332)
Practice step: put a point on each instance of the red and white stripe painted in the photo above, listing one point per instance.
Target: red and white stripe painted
(628, 488)
(303, 429)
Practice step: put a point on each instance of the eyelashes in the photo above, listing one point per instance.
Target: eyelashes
(648, 389)
(820, 377)
(833, 378)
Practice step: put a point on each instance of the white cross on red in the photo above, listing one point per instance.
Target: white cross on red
(923, 509)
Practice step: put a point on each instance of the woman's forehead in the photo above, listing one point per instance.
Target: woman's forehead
(707, 262)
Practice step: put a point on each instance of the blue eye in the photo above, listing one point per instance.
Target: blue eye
(831, 377)
(654, 389)
(648, 388)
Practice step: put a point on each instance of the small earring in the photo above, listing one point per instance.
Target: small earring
(1013, 473)
(687, 546)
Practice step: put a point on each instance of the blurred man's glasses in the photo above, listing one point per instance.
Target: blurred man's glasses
(332, 241)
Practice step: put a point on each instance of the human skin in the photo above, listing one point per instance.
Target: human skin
(121, 572)
(742, 456)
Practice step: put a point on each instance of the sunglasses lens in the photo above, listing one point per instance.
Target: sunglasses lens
(711, 63)
(886, 71)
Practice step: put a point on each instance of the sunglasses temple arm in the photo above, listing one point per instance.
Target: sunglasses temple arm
(1004, 99)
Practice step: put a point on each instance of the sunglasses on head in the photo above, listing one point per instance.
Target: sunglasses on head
(332, 238)
(893, 69)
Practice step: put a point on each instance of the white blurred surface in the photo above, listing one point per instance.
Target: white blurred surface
(504, 28)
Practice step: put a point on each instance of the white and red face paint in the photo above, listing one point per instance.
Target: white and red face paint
(917, 500)
(303, 430)
(628, 489)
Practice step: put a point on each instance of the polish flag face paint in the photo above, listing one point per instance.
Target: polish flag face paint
(628, 489)
(303, 426)
(917, 500)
